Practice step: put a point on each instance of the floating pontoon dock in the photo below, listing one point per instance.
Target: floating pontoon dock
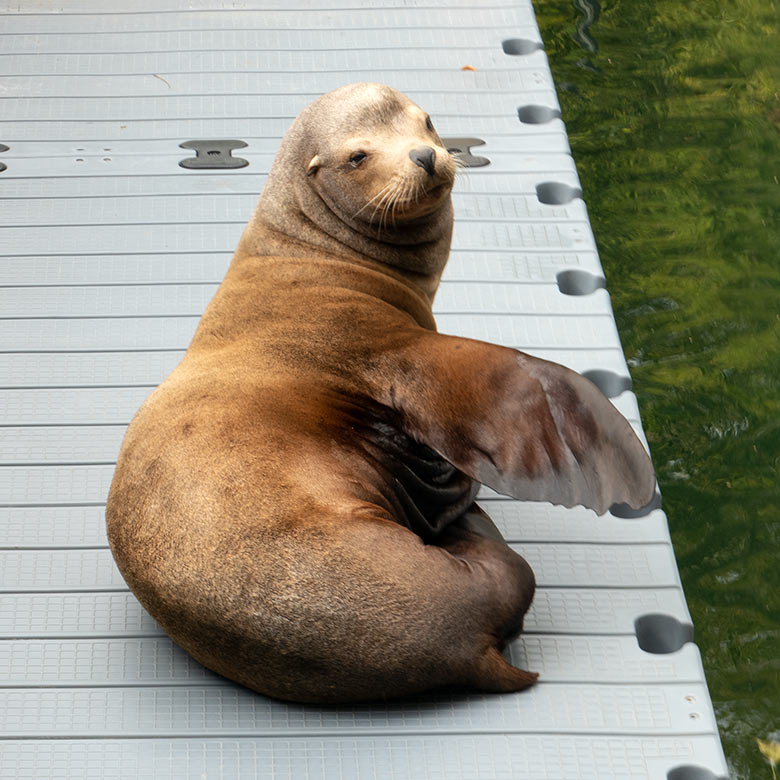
(109, 251)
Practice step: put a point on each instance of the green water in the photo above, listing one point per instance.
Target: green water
(673, 113)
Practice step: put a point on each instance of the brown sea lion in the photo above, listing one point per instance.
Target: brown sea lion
(294, 504)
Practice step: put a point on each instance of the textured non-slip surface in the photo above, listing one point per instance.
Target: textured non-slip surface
(109, 252)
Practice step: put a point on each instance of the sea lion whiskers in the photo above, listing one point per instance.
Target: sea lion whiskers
(460, 164)
(382, 195)
(399, 198)
(388, 204)
(402, 197)
(397, 193)
(461, 168)
(411, 193)
(382, 191)
(385, 204)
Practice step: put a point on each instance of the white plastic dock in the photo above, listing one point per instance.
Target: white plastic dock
(109, 251)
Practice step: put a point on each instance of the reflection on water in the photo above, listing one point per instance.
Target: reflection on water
(674, 121)
(589, 13)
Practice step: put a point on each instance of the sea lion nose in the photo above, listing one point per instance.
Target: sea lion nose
(425, 157)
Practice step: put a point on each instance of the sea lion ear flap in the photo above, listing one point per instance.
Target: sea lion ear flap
(314, 165)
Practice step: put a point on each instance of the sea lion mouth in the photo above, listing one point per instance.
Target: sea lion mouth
(400, 200)
(437, 190)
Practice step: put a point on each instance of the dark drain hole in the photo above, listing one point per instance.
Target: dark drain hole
(520, 46)
(690, 772)
(577, 282)
(661, 634)
(610, 383)
(556, 193)
(537, 115)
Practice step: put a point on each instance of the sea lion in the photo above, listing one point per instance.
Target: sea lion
(294, 504)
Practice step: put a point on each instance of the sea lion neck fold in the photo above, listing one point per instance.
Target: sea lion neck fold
(331, 271)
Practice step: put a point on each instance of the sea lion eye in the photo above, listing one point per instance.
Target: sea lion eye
(428, 123)
(357, 158)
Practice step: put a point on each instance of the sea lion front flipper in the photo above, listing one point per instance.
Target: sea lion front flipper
(525, 427)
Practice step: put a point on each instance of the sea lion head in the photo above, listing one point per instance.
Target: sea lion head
(380, 165)
(362, 173)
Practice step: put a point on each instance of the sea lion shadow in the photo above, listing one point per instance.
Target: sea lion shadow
(434, 704)
(422, 704)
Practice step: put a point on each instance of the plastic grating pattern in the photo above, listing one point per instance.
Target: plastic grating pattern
(109, 251)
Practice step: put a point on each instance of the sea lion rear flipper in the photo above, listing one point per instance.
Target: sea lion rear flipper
(525, 427)
(492, 672)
